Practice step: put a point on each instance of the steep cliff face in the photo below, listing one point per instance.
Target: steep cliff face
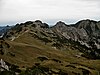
(86, 32)
(92, 28)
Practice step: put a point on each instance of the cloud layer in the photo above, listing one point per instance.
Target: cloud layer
(12, 11)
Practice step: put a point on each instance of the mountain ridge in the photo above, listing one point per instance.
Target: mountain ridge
(32, 42)
(85, 32)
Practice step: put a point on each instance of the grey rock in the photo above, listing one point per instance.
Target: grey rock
(84, 31)
(3, 66)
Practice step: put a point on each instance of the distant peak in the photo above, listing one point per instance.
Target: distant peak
(85, 23)
(60, 22)
(87, 20)
(28, 22)
(38, 21)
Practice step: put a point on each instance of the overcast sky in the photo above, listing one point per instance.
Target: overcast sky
(50, 11)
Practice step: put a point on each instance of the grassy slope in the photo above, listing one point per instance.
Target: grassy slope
(27, 50)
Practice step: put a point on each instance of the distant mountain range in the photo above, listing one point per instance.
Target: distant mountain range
(34, 41)
(4, 29)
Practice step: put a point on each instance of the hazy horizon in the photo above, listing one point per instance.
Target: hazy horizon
(49, 22)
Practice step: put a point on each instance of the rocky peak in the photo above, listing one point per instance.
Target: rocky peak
(41, 24)
(60, 24)
(89, 25)
(38, 21)
(28, 22)
(85, 24)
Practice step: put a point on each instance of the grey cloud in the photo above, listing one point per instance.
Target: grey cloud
(90, 0)
(48, 10)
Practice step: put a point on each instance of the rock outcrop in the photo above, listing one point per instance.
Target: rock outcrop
(3, 66)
